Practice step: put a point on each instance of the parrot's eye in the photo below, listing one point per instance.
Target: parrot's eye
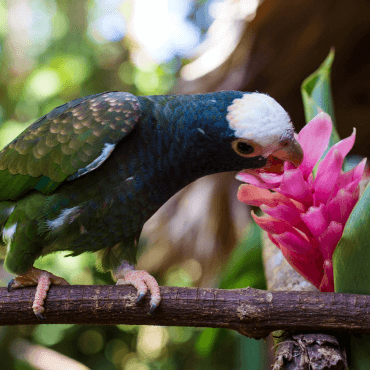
(246, 148)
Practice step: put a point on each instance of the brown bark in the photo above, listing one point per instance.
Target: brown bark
(251, 312)
(310, 351)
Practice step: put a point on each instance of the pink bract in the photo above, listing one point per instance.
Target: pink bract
(306, 215)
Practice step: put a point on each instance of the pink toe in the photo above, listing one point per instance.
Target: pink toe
(137, 280)
(41, 292)
(152, 285)
(143, 282)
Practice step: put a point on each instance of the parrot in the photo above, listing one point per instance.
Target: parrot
(86, 176)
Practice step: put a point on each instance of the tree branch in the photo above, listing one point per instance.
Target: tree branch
(251, 312)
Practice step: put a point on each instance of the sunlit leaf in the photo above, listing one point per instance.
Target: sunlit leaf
(147, 82)
(10, 130)
(43, 84)
(60, 25)
(3, 19)
(72, 69)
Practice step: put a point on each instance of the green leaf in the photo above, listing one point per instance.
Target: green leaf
(351, 258)
(316, 94)
(351, 264)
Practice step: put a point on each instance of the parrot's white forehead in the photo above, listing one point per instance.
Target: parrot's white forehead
(258, 117)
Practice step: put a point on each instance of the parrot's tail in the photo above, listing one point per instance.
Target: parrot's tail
(6, 209)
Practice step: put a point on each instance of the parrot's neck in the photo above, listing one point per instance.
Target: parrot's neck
(178, 135)
(177, 115)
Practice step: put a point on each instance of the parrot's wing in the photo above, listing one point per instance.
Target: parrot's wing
(68, 142)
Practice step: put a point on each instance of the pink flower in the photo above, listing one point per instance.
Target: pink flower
(306, 214)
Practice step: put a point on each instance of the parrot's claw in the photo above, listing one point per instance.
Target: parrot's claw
(153, 307)
(10, 285)
(140, 296)
(42, 279)
(143, 282)
(39, 316)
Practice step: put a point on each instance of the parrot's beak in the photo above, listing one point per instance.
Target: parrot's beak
(291, 152)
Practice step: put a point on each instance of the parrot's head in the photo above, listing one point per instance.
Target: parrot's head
(262, 128)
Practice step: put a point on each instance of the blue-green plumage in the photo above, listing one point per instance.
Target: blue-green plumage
(86, 176)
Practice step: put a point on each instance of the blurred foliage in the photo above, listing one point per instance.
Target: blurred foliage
(51, 53)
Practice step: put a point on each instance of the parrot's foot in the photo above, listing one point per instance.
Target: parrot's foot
(143, 282)
(42, 279)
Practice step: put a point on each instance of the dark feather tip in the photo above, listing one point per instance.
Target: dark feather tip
(153, 307)
(140, 297)
(10, 285)
(39, 316)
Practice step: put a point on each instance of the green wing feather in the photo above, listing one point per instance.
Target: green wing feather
(60, 145)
